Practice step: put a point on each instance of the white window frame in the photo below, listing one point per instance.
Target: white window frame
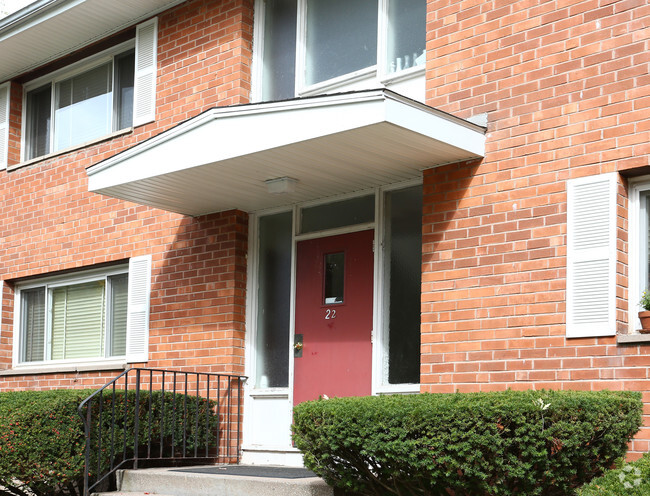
(377, 73)
(82, 277)
(55, 77)
(639, 246)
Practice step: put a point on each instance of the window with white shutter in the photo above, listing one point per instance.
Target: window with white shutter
(4, 125)
(146, 45)
(108, 92)
(89, 315)
(591, 256)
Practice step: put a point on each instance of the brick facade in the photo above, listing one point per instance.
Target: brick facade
(566, 88)
(50, 222)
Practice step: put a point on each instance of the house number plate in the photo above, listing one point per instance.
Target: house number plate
(330, 314)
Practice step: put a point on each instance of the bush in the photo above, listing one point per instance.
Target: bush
(42, 441)
(524, 443)
(631, 479)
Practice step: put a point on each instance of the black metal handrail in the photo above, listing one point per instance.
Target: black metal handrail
(184, 416)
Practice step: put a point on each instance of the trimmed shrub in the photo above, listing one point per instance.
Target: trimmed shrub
(42, 441)
(631, 479)
(524, 443)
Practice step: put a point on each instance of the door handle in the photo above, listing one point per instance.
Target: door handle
(297, 346)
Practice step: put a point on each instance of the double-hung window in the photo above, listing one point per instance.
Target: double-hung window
(96, 314)
(311, 44)
(93, 98)
(82, 107)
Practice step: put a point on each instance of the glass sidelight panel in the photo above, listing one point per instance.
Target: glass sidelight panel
(403, 275)
(273, 294)
(334, 277)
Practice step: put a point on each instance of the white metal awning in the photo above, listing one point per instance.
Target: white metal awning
(329, 145)
(46, 30)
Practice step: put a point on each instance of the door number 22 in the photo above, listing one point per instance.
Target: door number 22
(330, 314)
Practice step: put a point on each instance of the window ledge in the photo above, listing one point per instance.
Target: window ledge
(62, 368)
(398, 389)
(107, 137)
(632, 338)
(409, 73)
(270, 393)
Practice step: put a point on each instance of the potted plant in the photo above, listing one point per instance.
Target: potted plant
(644, 315)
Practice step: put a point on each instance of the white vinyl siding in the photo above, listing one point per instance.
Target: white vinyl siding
(146, 46)
(591, 256)
(4, 125)
(137, 323)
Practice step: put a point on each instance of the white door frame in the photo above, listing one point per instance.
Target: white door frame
(279, 401)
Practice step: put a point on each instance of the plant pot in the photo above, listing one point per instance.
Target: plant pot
(644, 317)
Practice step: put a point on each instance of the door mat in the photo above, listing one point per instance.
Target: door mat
(252, 471)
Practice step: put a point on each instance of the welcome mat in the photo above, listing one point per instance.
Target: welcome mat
(251, 471)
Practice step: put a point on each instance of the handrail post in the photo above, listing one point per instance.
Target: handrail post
(87, 424)
(136, 426)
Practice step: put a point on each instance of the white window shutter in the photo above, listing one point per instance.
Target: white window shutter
(137, 320)
(146, 46)
(4, 125)
(591, 256)
(2, 287)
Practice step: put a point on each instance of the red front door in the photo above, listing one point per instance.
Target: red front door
(334, 287)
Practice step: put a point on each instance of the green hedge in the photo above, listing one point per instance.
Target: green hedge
(42, 439)
(632, 479)
(523, 443)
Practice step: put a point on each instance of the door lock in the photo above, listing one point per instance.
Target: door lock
(297, 346)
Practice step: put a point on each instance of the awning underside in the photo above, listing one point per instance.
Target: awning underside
(330, 145)
(49, 29)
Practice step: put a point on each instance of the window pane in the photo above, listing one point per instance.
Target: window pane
(124, 78)
(341, 37)
(334, 277)
(39, 111)
(272, 344)
(279, 50)
(78, 321)
(338, 214)
(117, 307)
(83, 107)
(406, 34)
(403, 274)
(33, 324)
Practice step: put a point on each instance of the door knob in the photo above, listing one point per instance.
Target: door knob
(297, 346)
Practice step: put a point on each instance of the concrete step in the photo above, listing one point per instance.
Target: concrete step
(122, 493)
(222, 481)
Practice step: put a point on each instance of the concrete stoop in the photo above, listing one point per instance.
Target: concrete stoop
(218, 481)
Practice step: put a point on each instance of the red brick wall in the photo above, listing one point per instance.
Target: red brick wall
(50, 221)
(566, 87)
